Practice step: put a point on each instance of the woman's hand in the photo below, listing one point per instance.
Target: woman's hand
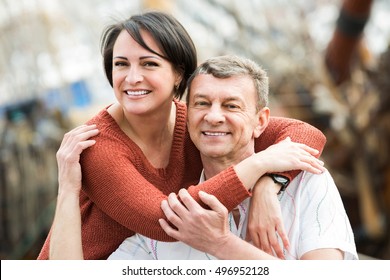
(287, 155)
(68, 156)
(265, 218)
(65, 241)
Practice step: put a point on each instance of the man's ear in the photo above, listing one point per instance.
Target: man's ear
(264, 115)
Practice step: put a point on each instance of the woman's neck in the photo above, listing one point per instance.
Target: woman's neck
(153, 133)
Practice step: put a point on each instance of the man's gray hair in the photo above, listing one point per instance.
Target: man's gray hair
(227, 66)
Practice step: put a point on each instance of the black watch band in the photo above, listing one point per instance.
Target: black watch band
(283, 181)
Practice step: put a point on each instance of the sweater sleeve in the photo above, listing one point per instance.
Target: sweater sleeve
(301, 132)
(117, 188)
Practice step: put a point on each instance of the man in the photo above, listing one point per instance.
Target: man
(227, 110)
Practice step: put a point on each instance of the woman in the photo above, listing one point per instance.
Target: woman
(143, 151)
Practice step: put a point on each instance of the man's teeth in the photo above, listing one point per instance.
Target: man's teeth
(136, 93)
(215, 133)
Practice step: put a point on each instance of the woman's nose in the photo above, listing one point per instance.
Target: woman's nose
(134, 75)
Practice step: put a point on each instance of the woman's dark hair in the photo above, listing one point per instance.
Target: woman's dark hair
(171, 37)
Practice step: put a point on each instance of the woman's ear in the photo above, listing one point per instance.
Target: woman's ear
(179, 78)
(264, 115)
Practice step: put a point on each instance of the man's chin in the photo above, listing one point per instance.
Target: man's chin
(214, 153)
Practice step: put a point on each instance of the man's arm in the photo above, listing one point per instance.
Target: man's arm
(207, 230)
(324, 254)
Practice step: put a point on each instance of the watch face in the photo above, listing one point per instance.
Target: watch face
(281, 180)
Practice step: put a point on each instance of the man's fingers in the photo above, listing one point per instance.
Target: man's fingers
(213, 203)
(168, 229)
(176, 205)
(170, 214)
(188, 201)
(208, 199)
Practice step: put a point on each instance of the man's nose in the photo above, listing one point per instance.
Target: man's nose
(214, 115)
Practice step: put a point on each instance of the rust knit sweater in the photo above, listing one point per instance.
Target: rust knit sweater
(122, 191)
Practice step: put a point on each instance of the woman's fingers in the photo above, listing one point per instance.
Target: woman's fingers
(75, 141)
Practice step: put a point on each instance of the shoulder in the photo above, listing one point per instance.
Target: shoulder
(102, 119)
(181, 108)
(311, 186)
(110, 139)
(181, 118)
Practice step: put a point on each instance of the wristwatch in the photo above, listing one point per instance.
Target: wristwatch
(283, 181)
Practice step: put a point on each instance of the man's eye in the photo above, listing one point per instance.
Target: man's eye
(232, 106)
(200, 103)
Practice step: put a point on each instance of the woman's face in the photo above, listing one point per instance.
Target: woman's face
(143, 82)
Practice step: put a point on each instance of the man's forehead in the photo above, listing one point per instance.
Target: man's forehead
(220, 95)
(238, 88)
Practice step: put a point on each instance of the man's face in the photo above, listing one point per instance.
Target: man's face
(222, 116)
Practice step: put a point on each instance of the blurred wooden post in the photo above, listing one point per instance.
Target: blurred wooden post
(346, 38)
(160, 5)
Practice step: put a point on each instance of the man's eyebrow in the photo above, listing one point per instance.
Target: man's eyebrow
(234, 98)
(199, 95)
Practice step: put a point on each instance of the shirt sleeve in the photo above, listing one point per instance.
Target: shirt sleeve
(323, 220)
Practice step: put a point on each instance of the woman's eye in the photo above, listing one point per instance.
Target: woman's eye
(150, 64)
(120, 63)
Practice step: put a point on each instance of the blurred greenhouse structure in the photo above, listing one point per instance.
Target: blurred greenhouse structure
(51, 79)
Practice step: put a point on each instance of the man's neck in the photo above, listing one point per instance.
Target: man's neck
(213, 166)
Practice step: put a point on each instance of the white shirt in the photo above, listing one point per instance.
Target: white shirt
(313, 214)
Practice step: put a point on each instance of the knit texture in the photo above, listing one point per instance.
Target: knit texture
(122, 192)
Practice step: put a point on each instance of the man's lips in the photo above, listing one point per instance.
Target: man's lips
(210, 133)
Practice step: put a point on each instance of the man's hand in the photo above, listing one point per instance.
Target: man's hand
(203, 229)
(265, 218)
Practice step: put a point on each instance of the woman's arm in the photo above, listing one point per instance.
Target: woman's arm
(65, 242)
(119, 189)
(300, 132)
(132, 196)
(265, 219)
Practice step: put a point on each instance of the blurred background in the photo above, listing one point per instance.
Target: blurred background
(328, 62)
